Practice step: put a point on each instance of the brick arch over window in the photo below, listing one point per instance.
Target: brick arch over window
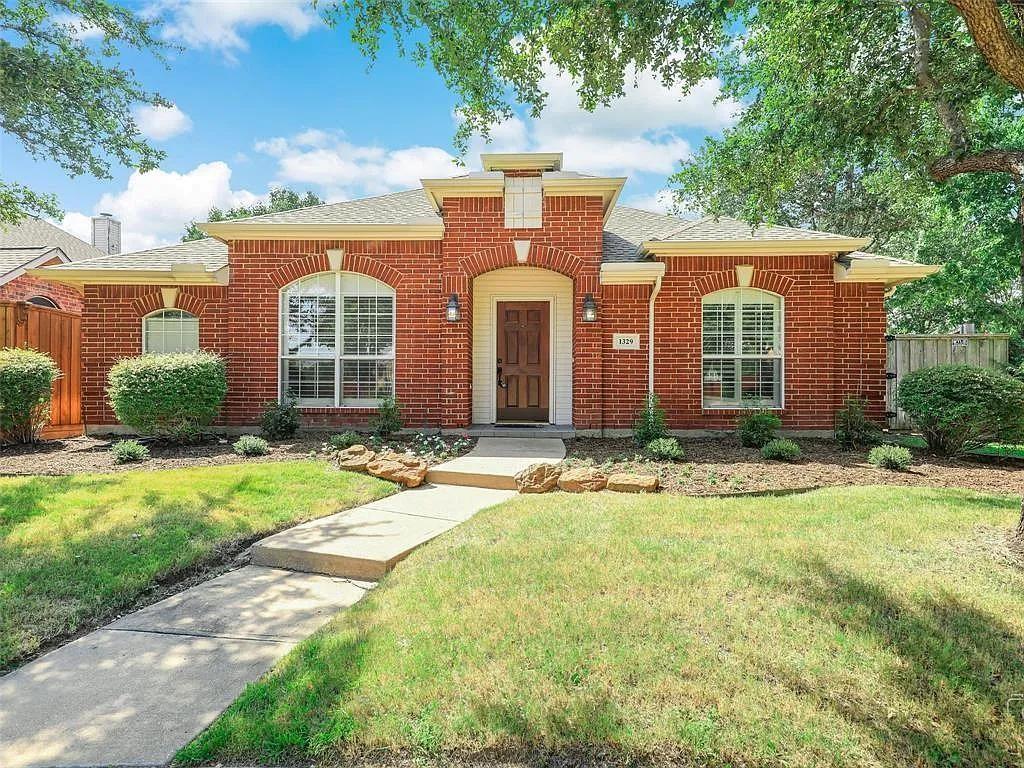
(313, 264)
(151, 302)
(772, 282)
(542, 256)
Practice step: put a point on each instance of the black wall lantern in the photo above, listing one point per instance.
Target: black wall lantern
(589, 309)
(452, 312)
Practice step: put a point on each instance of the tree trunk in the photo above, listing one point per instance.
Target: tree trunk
(1018, 535)
(993, 39)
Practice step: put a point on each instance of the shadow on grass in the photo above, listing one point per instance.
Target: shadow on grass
(24, 499)
(957, 668)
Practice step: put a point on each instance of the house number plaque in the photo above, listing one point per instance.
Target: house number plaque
(625, 341)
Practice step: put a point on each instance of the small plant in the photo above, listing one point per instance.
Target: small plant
(650, 421)
(26, 379)
(129, 451)
(343, 440)
(666, 449)
(891, 457)
(388, 419)
(280, 420)
(781, 449)
(853, 427)
(756, 428)
(169, 396)
(960, 407)
(251, 445)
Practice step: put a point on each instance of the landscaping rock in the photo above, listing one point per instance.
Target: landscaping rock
(538, 478)
(398, 468)
(582, 479)
(355, 458)
(626, 482)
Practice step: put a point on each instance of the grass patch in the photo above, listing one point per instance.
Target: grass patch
(854, 626)
(998, 450)
(77, 548)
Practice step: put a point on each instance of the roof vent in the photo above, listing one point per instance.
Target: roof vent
(106, 233)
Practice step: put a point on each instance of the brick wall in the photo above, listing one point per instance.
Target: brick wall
(24, 287)
(624, 382)
(860, 359)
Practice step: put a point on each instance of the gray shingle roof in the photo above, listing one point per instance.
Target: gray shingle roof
(30, 238)
(627, 228)
(212, 254)
(723, 228)
(409, 207)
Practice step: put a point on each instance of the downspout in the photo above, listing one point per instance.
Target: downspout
(650, 335)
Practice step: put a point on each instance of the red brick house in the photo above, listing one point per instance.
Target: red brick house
(34, 243)
(518, 294)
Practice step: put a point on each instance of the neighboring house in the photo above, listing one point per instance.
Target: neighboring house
(34, 243)
(518, 294)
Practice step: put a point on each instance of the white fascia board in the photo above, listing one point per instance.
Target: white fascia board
(640, 273)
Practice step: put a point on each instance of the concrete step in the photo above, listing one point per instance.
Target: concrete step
(495, 461)
(548, 431)
(367, 542)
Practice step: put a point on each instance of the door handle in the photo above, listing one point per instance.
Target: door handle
(501, 384)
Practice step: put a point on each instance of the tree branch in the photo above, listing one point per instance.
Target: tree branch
(1003, 52)
(1009, 161)
(952, 121)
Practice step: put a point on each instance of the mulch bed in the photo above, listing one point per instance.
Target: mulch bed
(92, 454)
(716, 466)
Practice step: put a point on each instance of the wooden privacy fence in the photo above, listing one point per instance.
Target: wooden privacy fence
(58, 334)
(907, 353)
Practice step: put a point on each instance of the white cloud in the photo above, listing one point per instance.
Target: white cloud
(79, 27)
(662, 201)
(347, 170)
(78, 224)
(162, 123)
(219, 24)
(155, 207)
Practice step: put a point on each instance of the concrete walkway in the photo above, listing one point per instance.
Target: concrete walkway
(494, 461)
(139, 689)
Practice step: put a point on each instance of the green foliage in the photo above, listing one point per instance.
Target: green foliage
(67, 100)
(26, 379)
(128, 451)
(853, 427)
(650, 421)
(781, 449)
(665, 448)
(756, 427)
(960, 407)
(891, 457)
(280, 420)
(251, 445)
(169, 396)
(343, 440)
(282, 199)
(388, 419)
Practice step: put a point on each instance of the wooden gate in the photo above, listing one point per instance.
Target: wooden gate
(58, 334)
(907, 353)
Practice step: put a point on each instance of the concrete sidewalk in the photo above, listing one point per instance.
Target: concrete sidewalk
(139, 689)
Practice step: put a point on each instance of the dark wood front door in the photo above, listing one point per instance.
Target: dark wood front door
(523, 361)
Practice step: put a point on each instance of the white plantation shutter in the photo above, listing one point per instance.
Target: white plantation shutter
(742, 349)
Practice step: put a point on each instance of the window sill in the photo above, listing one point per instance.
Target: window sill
(743, 408)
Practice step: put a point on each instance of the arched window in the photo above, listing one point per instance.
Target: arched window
(170, 330)
(742, 349)
(337, 340)
(43, 301)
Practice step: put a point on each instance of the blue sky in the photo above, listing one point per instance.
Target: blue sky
(266, 95)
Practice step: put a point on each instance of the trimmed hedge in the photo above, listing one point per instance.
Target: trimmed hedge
(169, 396)
(960, 407)
(894, 457)
(781, 449)
(26, 381)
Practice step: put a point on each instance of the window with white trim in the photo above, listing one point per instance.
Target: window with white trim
(742, 349)
(337, 340)
(168, 331)
(524, 201)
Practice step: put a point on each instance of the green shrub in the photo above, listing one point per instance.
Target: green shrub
(960, 407)
(344, 440)
(170, 396)
(650, 421)
(853, 427)
(781, 449)
(128, 451)
(890, 457)
(757, 428)
(388, 419)
(251, 445)
(665, 448)
(26, 381)
(280, 420)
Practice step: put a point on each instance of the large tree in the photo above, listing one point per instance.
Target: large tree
(63, 95)
(282, 199)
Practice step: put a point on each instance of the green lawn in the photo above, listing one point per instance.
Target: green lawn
(75, 549)
(849, 626)
(999, 450)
